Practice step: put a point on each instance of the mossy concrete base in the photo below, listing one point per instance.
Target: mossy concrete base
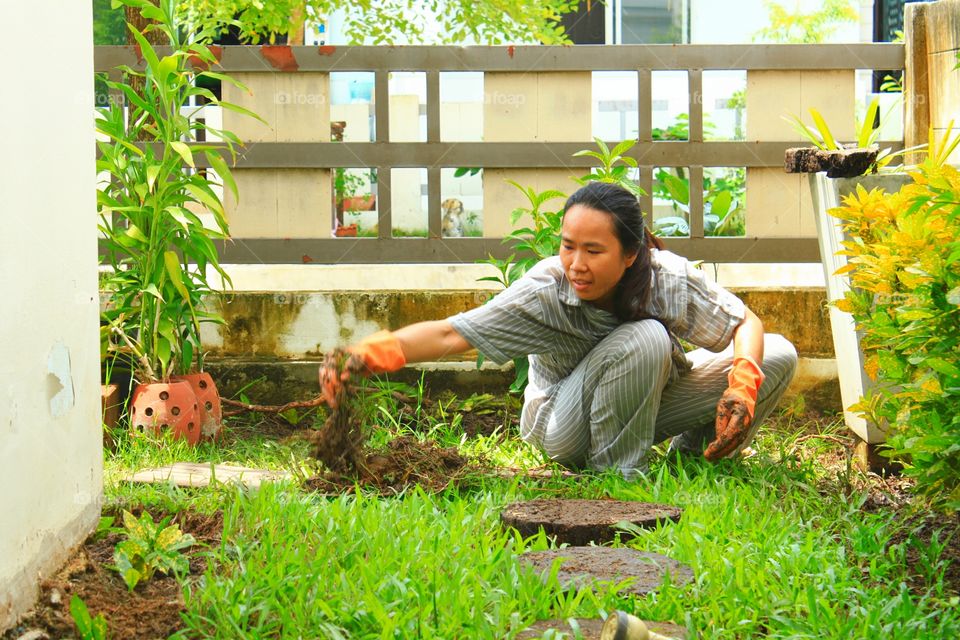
(282, 381)
(305, 325)
(278, 339)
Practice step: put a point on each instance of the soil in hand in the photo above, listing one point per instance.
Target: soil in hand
(339, 442)
(151, 610)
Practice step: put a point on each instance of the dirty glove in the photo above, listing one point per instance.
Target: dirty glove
(735, 409)
(379, 353)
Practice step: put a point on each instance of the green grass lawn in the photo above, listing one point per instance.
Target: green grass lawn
(788, 543)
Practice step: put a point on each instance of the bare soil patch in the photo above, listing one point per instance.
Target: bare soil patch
(151, 610)
(405, 462)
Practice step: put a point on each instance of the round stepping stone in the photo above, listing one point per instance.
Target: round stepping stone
(580, 522)
(590, 629)
(584, 565)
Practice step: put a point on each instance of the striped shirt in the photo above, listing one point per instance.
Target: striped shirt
(541, 316)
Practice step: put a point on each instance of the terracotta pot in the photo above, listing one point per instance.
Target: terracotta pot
(345, 231)
(208, 398)
(157, 406)
(360, 203)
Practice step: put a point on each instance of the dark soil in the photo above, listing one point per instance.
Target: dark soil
(152, 610)
(338, 444)
(404, 463)
(584, 565)
(581, 522)
(590, 629)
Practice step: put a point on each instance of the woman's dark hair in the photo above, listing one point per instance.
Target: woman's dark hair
(633, 291)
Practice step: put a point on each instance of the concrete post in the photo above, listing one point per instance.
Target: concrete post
(51, 457)
(518, 107)
(916, 86)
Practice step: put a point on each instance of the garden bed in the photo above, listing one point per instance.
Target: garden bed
(151, 610)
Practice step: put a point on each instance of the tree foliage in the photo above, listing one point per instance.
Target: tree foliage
(392, 21)
(798, 27)
(108, 24)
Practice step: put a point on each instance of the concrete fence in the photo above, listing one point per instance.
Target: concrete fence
(536, 111)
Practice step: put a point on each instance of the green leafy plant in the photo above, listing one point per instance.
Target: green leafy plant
(723, 208)
(346, 184)
(88, 627)
(615, 167)
(723, 195)
(150, 547)
(904, 267)
(820, 135)
(158, 247)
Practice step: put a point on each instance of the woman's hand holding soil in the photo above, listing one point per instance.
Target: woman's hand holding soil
(378, 353)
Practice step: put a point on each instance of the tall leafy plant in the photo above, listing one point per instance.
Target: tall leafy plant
(157, 246)
(904, 267)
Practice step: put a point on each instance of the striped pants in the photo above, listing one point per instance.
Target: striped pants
(619, 400)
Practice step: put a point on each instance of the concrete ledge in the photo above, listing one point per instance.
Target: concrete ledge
(305, 325)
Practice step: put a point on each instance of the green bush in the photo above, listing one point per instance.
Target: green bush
(904, 266)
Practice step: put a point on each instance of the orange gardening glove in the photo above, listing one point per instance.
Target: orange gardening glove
(379, 353)
(735, 409)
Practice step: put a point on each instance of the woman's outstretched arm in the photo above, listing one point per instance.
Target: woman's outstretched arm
(431, 340)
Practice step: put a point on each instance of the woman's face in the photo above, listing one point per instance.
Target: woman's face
(591, 254)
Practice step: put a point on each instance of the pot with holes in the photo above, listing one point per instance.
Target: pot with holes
(159, 406)
(208, 400)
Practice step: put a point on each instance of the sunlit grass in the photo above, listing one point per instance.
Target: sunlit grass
(780, 543)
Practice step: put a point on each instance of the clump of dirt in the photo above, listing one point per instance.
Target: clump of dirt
(406, 461)
(151, 610)
(339, 442)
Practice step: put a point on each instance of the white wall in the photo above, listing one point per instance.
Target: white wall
(50, 433)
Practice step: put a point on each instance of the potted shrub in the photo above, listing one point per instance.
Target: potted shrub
(837, 170)
(903, 252)
(156, 244)
(347, 194)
